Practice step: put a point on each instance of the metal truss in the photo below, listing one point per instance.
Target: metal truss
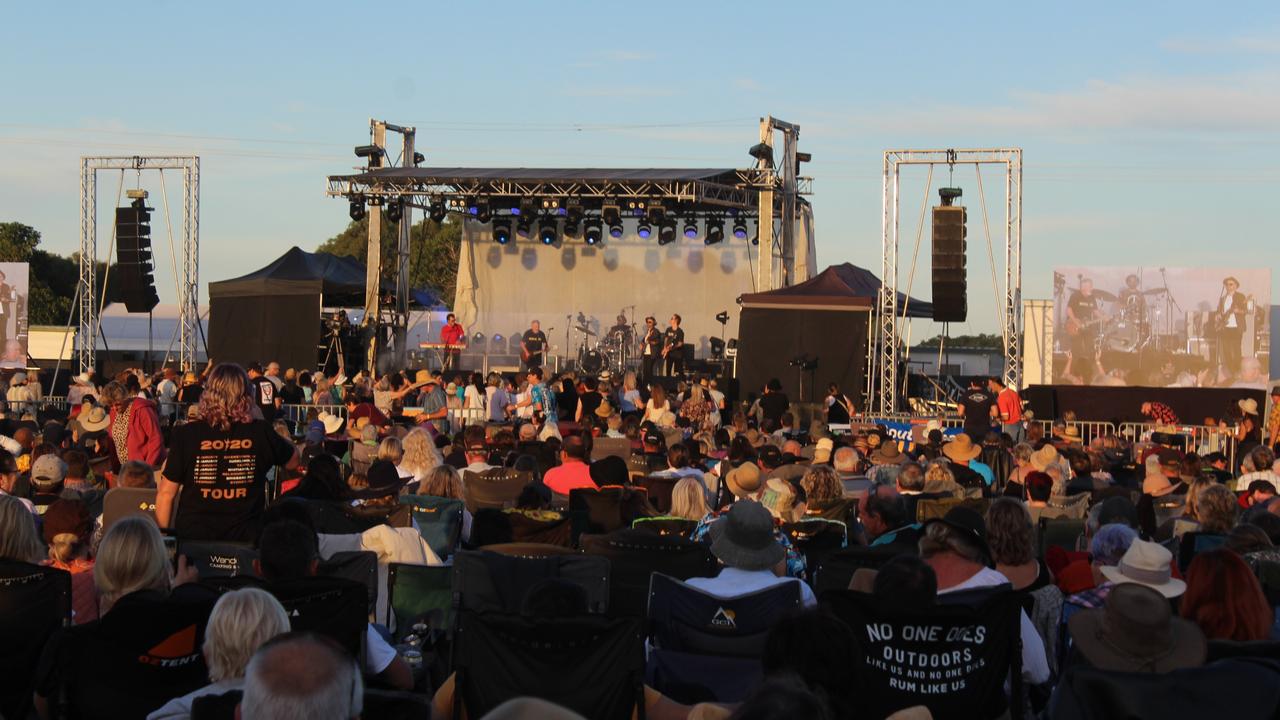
(885, 347)
(188, 284)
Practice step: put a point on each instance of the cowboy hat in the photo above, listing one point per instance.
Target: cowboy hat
(887, 454)
(384, 480)
(606, 375)
(822, 451)
(961, 449)
(604, 410)
(82, 379)
(332, 423)
(1156, 484)
(94, 420)
(422, 377)
(1135, 631)
(779, 498)
(1149, 564)
(743, 537)
(968, 522)
(1248, 406)
(1072, 434)
(743, 480)
(1044, 457)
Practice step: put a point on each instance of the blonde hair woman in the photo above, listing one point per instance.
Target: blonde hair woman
(131, 558)
(391, 450)
(688, 500)
(420, 455)
(630, 401)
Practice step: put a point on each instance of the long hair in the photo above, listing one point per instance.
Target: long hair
(1225, 599)
(241, 621)
(688, 500)
(420, 453)
(131, 558)
(443, 481)
(18, 538)
(629, 380)
(1009, 533)
(821, 484)
(226, 400)
(658, 395)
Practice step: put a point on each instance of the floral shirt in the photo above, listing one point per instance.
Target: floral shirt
(795, 560)
(1162, 414)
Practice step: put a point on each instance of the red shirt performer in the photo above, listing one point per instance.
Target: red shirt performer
(452, 334)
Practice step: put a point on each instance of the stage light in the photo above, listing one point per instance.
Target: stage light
(611, 215)
(691, 228)
(715, 231)
(498, 339)
(356, 210)
(395, 211)
(591, 232)
(478, 338)
(740, 229)
(438, 211)
(482, 212)
(372, 153)
(547, 231)
(523, 226)
(644, 229)
(502, 231)
(635, 208)
(717, 347)
(418, 159)
(761, 151)
(656, 214)
(804, 157)
(572, 218)
(667, 232)
(550, 204)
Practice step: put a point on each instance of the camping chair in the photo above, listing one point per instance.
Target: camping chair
(494, 488)
(121, 502)
(484, 580)
(1069, 506)
(331, 606)
(592, 665)
(1195, 542)
(421, 593)
(1060, 532)
(836, 570)
(658, 488)
(35, 600)
(634, 555)
(439, 521)
(983, 626)
(1244, 687)
(596, 511)
(604, 447)
(359, 566)
(706, 648)
(816, 538)
(1268, 573)
(219, 559)
(492, 527)
(936, 508)
(665, 525)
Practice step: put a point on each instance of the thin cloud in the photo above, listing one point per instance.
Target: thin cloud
(1264, 44)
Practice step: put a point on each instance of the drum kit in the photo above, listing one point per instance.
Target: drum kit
(615, 349)
(1140, 319)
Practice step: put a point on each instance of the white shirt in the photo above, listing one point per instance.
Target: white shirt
(1225, 306)
(1035, 665)
(732, 582)
(472, 398)
(377, 653)
(652, 412)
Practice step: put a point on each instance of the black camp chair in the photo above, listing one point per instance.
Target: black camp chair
(837, 568)
(1244, 688)
(635, 555)
(356, 565)
(34, 602)
(816, 538)
(331, 606)
(596, 511)
(490, 581)
(420, 593)
(705, 648)
(665, 525)
(593, 665)
(219, 559)
(123, 502)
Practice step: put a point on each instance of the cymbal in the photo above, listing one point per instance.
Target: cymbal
(1155, 291)
(585, 330)
(1105, 296)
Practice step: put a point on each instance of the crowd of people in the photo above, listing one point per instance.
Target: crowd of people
(1174, 551)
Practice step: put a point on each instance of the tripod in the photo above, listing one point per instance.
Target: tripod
(333, 351)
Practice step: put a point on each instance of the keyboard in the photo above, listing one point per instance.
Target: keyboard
(441, 346)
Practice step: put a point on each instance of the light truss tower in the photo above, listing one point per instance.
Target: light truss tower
(886, 347)
(189, 282)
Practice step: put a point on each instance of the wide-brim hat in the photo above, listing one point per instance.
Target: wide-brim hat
(384, 480)
(1136, 631)
(822, 451)
(743, 537)
(744, 479)
(888, 454)
(1248, 406)
(969, 522)
(606, 375)
(1156, 485)
(604, 410)
(961, 449)
(332, 423)
(1044, 457)
(1072, 434)
(95, 420)
(609, 470)
(1148, 564)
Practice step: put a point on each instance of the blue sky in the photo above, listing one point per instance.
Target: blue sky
(1151, 132)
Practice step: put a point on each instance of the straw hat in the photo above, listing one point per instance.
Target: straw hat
(1072, 434)
(1135, 631)
(743, 480)
(422, 377)
(779, 498)
(1248, 406)
(1149, 564)
(96, 419)
(1044, 457)
(822, 452)
(604, 410)
(961, 449)
(332, 423)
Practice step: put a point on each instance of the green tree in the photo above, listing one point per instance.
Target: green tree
(983, 341)
(433, 251)
(53, 278)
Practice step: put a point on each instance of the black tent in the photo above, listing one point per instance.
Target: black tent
(274, 313)
(824, 321)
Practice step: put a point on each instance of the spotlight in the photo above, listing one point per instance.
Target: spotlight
(635, 208)
(667, 232)
(502, 231)
(523, 225)
(547, 231)
(591, 232)
(438, 211)
(482, 212)
(656, 214)
(418, 159)
(478, 338)
(612, 217)
(644, 230)
(550, 204)
(717, 347)
(691, 228)
(715, 231)
(740, 229)
(761, 151)
(572, 218)
(372, 153)
(356, 210)
(395, 211)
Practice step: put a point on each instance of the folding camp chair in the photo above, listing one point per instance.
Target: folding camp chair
(635, 555)
(359, 566)
(485, 580)
(332, 606)
(816, 538)
(122, 502)
(707, 648)
(935, 508)
(219, 559)
(592, 665)
(1060, 532)
(35, 600)
(439, 521)
(604, 447)
(665, 525)
(659, 488)
(596, 511)
(421, 593)
(1193, 543)
(1232, 688)
(494, 488)
(836, 570)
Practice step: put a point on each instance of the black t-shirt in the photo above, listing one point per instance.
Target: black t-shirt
(590, 402)
(223, 475)
(773, 405)
(264, 394)
(837, 412)
(534, 342)
(673, 337)
(977, 406)
(190, 394)
(1083, 307)
(292, 394)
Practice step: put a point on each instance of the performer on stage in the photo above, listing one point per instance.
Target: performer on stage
(652, 347)
(452, 334)
(532, 345)
(6, 309)
(621, 326)
(1233, 307)
(673, 347)
(1083, 319)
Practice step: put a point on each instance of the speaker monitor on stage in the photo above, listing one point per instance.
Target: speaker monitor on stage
(950, 291)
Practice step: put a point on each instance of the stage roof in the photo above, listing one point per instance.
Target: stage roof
(839, 287)
(446, 176)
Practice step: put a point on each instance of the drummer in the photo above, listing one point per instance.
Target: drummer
(1130, 299)
(621, 327)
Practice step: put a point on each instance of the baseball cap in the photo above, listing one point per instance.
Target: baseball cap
(48, 470)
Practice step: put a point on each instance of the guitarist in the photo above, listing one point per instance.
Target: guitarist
(673, 348)
(1233, 307)
(1083, 318)
(652, 348)
(532, 345)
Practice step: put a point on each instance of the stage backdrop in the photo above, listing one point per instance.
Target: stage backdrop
(14, 292)
(1160, 327)
(501, 288)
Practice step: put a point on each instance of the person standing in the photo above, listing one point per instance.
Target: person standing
(533, 345)
(1008, 407)
(652, 341)
(167, 395)
(977, 406)
(134, 426)
(673, 347)
(452, 334)
(1233, 307)
(264, 392)
(1083, 317)
(6, 309)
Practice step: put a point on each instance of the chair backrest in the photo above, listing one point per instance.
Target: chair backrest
(843, 509)
(121, 502)
(484, 580)
(954, 658)
(219, 559)
(420, 593)
(439, 521)
(658, 488)
(635, 555)
(816, 538)
(34, 602)
(686, 619)
(1232, 688)
(1268, 573)
(495, 488)
(837, 568)
(1063, 532)
(360, 566)
(604, 447)
(1223, 649)
(590, 664)
(1195, 542)
(595, 510)
(934, 508)
(332, 606)
(665, 526)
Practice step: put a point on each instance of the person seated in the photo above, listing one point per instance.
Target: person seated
(241, 622)
(743, 539)
(884, 520)
(1135, 631)
(301, 676)
(678, 464)
(573, 471)
(1225, 599)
